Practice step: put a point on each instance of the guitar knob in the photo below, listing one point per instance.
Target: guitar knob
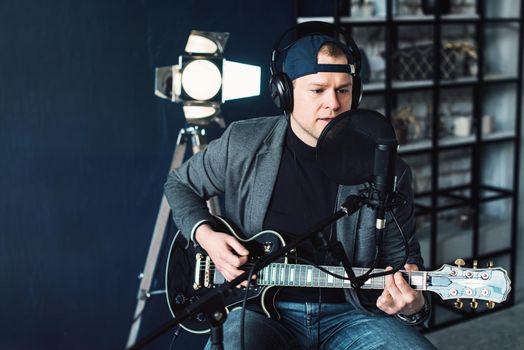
(180, 299)
(267, 247)
(474, 304)
(458, 304)
(460, 262)
(193, 299)
(201, 317)
(490, 305)
(475, 264)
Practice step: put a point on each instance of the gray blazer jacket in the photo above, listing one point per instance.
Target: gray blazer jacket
(243, 164)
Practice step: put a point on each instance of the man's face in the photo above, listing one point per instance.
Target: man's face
(318, 98)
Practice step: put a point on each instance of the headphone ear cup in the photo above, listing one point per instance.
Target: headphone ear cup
(281, 90)
(357, 92)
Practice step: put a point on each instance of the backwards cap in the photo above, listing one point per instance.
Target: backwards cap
(301, 57)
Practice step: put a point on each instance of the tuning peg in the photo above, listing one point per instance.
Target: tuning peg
(460, 262)
(490, 264)
(474, 304)
(490, 305)
(475, 264)
(458, 304)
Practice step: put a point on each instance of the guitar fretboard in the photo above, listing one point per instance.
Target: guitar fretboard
(298, 275)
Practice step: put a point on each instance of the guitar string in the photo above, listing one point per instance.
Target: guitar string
(406, 274)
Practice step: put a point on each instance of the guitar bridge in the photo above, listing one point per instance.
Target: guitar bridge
(207, 273)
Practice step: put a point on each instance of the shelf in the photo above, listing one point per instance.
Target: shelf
(451, 18)
(480, 173)
(454, 141)
(411, 84)
(375, 87)
(502, 19)
(491, 193)
(400, 85)
(454, 197)
(499, 136)
(381, 20)
(444, 143)
(461, 81)
(416, 146)
(427, 84)
(500, 78)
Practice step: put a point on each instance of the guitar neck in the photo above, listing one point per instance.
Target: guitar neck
(297, 275)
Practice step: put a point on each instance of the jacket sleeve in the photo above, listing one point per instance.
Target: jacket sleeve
(201, 177)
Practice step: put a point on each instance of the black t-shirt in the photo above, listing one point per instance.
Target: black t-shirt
(302, 197)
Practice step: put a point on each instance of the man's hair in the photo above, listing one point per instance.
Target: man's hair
(332, 50)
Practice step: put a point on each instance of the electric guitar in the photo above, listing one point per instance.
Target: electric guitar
(190, 274)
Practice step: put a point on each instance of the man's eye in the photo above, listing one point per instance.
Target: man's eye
(343, 91)
(316, 91)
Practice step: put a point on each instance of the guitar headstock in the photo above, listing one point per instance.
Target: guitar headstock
(455, 282)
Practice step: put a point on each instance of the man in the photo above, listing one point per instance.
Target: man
(266, 169)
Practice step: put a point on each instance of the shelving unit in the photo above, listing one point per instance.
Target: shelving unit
(466, 186)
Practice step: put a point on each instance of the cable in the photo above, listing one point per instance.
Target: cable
(244, 301)
(175, 336)
(368, 275)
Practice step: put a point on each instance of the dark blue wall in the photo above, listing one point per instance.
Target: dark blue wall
(85, 148)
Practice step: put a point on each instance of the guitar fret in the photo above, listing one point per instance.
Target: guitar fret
(303, 273)
(340, 282)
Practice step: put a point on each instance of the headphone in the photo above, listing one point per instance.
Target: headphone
(281, 86)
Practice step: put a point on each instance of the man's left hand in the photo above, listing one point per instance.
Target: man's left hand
(398, 297)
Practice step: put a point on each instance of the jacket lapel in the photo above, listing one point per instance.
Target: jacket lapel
(267, 165)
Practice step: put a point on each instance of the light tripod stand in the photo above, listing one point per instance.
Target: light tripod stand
(196, 135)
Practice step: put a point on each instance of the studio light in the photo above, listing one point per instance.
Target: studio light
(203, 79)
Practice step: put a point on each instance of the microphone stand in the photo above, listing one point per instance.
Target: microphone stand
(212, 304)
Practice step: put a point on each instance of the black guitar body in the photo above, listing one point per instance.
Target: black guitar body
(186, 277)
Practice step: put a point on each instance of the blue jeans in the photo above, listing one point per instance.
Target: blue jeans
(341, 327)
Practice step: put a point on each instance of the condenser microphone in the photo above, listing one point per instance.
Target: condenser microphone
(384, 180)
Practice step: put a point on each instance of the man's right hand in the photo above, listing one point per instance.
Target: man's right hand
(225, 250)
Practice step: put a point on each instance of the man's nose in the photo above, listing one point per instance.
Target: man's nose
(332, 101)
